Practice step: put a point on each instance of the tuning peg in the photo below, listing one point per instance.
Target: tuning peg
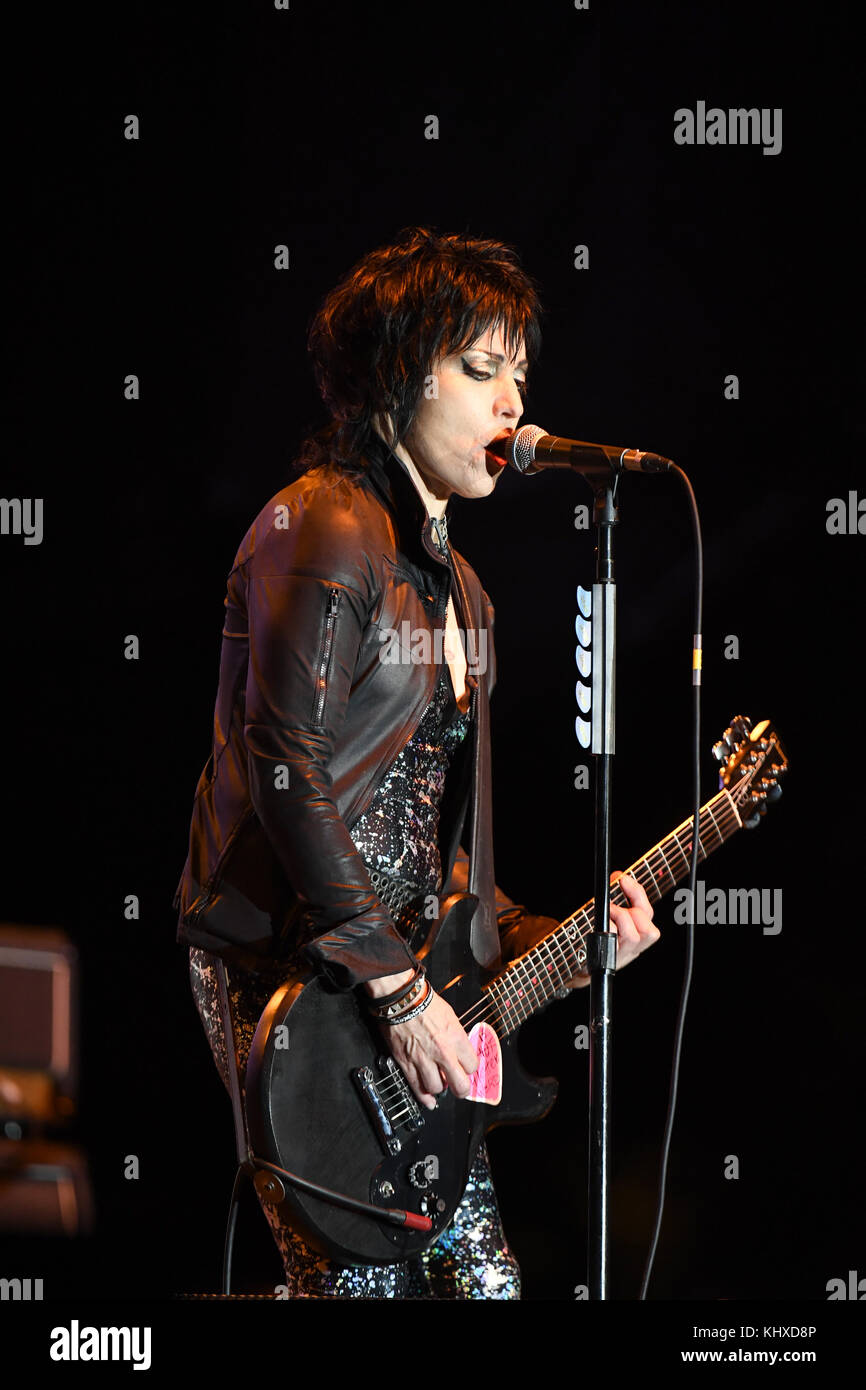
(720, 751)
(774, 791)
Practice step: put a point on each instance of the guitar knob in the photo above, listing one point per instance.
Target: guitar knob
(720, 752)
(425, 1171)
(774, 792)
(431, 1205)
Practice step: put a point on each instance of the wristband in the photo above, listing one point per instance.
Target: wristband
(406, 995)
(412, 1013)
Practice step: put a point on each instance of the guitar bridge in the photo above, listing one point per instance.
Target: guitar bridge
(389, 1102)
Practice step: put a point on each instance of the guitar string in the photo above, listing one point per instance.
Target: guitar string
(506, 993)
(511, 990)
(729, 823)
(644, 871)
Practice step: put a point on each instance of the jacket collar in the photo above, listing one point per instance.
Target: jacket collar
(391, 482)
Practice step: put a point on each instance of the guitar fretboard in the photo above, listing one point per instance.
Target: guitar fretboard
(531, 981)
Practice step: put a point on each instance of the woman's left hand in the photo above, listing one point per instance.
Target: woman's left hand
(633, 926)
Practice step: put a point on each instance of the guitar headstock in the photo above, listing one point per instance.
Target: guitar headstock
(752, 761)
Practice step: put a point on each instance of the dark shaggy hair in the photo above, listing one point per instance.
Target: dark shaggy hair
(376, 335)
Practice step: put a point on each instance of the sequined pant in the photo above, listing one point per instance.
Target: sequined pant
(471, 1259)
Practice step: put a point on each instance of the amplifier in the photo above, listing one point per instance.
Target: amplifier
(38, 1025)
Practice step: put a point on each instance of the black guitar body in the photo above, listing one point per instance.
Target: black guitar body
(326, 1102)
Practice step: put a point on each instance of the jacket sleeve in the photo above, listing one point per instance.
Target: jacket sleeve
(308, 593)
(519, 930)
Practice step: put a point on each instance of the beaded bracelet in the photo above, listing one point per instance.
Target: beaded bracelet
(412, 1013)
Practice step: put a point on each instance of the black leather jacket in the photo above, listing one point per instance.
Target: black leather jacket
(308, 719)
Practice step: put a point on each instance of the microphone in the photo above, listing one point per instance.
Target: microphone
(530, 449)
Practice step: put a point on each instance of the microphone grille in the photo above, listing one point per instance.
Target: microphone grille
(521, 447)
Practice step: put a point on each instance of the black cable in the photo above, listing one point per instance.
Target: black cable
(693, 874)
(231, 1223)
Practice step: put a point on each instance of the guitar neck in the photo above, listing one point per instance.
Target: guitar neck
(531, 981)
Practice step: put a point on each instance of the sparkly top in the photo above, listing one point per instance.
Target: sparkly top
(398, 833)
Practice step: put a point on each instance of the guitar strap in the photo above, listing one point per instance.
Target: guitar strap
(484, 934)
(242, 1139)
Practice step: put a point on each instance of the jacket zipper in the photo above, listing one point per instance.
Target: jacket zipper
(214, 884)
(440, 527)
(325, 661)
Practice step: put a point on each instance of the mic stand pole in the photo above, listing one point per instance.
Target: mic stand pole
(601, 942)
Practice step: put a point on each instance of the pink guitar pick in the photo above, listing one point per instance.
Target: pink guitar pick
(486, 1082)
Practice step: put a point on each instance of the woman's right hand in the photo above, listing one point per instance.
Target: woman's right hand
(433, 1052)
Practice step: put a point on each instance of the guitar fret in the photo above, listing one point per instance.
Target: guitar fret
(562, 975)
(666, 866)
(551, 965)
(576, 939)
(555, 948)
(537, 979)
(715, 826)
(676, 839)
(645, 877)
(733, 821)
(522, 969)
(514, 1012)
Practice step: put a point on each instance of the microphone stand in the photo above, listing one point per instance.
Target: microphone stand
(601, 942)
(601, 465)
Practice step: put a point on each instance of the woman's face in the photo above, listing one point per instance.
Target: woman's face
(479, 398)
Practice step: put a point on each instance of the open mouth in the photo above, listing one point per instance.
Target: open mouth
(495, 450)
(495, 464)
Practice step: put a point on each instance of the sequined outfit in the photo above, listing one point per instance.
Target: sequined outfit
(397, 837)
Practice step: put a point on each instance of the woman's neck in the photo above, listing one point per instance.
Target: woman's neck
(434, 503)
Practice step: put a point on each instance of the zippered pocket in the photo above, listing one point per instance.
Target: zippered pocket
(212, 887)
(323, 670)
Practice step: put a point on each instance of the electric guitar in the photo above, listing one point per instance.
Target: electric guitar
(326, 1102)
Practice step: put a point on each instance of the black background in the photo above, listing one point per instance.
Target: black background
(155, 257)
